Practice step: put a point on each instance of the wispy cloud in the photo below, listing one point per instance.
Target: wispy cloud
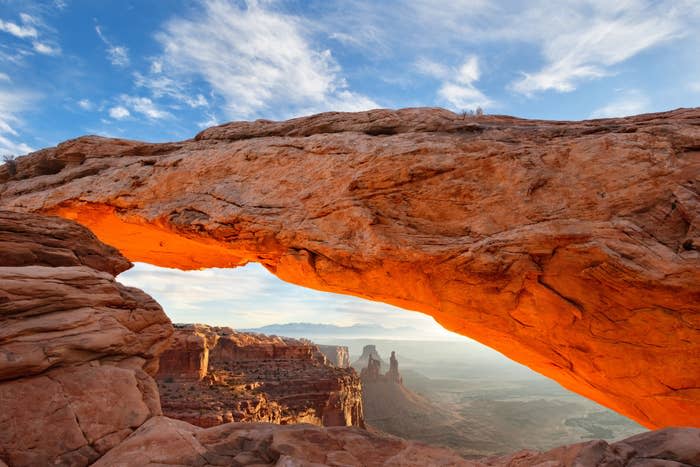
(250, 296)
(22, 31)
(28, 29)
(256, 59)
(630, 102)
(458, 89)
(12, 103)
(85, 104)
(145, 106)
(584, 40)
(119, 112)
(118, 55)
(578, 41)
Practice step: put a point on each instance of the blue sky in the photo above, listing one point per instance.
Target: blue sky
(162, 70)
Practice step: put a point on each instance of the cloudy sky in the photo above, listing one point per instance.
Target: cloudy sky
(163, 70)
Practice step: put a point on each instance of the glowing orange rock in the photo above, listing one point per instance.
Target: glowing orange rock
(571, 247)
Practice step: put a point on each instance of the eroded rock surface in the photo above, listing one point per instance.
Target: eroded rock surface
(213, 375)
(163, 441)
(337, 355)
(571, 247)
(173, 442)
(672, 447)
(77, 349)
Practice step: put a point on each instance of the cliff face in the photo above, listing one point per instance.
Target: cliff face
(212, 375)
(337, 355)
(571, 247)
(77, 349)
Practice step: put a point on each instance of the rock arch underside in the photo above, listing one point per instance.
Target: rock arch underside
(571, 247)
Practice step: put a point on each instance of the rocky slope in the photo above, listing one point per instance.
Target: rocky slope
(212, 375)
(172, 442)
(571, 247)
(77, 349)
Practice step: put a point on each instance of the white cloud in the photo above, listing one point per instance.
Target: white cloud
(45, 49)
(258, 60)
(24, 31)
(144, 106)
(28, 30)
(13, 102)
(458, 89)
(118, 55)
(161, 85)
(251, 296)
(631, 102)
(431, 68)
(578, 41)
(583, 41)
(119, 112)
(85, 104)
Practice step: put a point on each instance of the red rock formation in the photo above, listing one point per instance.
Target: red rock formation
(368, 352)
(76, 348)
(212, 375)
(337, 355)
(568, 246)
(372, 371)
(673, 447)
(393, 374)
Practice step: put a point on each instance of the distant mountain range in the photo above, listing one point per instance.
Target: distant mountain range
(358, 331)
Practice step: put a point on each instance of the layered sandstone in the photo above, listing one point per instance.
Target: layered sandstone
(337, 355)
(213, 375)
(571, 247)
(77, 349)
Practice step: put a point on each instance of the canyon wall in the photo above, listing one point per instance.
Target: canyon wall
(213, 375)
(337, 355)
(571, 247)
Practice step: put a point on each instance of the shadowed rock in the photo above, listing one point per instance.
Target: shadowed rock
(77, 349)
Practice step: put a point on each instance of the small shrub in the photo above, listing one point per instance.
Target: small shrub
(11, 164)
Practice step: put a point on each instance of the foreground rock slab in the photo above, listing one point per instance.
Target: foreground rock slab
(77, 349)
(163, 441)
(571, 247)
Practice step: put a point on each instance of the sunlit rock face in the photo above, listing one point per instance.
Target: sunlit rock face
(77, 349)
(571, 247)
(212, 375)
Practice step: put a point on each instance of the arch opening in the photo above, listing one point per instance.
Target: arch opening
(452, 391)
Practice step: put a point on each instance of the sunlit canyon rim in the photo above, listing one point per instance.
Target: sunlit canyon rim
(571, 247)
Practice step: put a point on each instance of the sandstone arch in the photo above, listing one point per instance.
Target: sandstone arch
(571, 247)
